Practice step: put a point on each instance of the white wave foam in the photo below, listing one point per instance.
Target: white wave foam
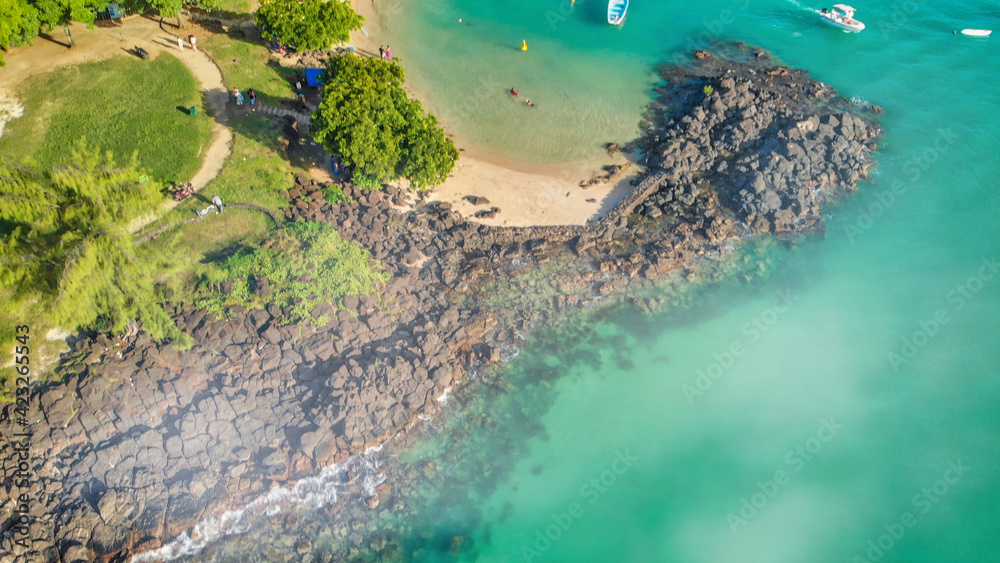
(313, 492)
(861, 102)
(443, 399)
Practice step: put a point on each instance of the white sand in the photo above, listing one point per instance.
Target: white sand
(526, 193)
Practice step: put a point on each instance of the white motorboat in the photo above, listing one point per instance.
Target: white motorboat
(977, 32)
(842, 16)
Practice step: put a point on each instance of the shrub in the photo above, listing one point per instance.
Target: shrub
(305, 264)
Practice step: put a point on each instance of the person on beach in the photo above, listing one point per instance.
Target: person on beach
(193, 41)
(381, 52)
(252, 96)
(388, 53)
(180, 43)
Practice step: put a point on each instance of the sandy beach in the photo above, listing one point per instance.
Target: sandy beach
(526, 193)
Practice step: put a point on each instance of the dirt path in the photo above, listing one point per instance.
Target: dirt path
(115, 40)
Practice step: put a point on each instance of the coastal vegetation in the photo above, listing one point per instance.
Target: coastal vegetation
(368, 120)
(302, 266)
(308, 24)
(121, 105)
(67, 253)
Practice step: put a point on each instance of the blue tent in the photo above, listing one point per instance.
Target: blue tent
(314, 76)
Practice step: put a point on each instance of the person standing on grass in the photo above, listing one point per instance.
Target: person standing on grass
(252, 96)
(239, 97)
(194, 42)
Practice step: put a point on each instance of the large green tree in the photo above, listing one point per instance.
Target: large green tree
(173, 8)
(55, 13)
(66, 241)
(367, 118)
(19, 24)
(22, 20)
(308, 24)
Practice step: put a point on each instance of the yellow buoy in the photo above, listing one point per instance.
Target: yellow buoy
(524, 45)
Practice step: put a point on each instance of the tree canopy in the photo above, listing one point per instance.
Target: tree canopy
(61, 12)
(66, 241)
(22, 20)
(19, 23)
(308, 24)
(367, 118)
(172, 8)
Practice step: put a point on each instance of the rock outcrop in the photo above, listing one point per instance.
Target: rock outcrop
(138, 440)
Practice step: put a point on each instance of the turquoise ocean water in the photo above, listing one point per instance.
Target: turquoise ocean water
(858, 419)
(860, 422)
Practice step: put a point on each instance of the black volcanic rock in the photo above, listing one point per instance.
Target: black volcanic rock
(130, 451)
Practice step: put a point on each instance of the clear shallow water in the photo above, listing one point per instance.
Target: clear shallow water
(906, 413)
(591, 81)
(848, 417)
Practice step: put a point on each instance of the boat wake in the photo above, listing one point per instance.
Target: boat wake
(317, 491)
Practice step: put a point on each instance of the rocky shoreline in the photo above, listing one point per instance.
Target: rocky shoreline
(141, 441)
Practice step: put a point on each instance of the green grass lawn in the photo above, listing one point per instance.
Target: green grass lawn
(257, 171)
(237, 7)
(120, 105)
(245, 63)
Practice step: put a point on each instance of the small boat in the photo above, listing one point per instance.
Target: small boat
(616, 11)
(977, 32)
(842, 16)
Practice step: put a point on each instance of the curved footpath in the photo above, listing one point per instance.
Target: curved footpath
(141, 444)
(216, 97)
(103, 42)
